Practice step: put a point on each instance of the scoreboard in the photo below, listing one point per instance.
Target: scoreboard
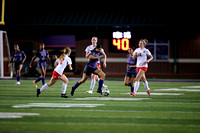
(121, 40)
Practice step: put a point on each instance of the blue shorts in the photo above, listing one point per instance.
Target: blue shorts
(89, 70)
(17, 65)
(131, 75)
(41, 64)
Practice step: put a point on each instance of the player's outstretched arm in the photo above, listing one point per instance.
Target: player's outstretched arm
(70, 67)
(105, 58)
(34, 57)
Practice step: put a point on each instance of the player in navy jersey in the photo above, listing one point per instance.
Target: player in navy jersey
(94, 77)
(90, 68)
(131, 71)
(42, 54)
(19, 58)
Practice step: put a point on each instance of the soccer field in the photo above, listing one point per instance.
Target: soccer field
(172, 107)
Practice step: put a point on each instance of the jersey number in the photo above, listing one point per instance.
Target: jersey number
(62, 61)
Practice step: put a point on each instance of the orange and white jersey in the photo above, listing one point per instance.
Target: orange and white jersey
(63, 64)
(142, 57)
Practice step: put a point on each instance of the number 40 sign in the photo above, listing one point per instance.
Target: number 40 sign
(121, 40)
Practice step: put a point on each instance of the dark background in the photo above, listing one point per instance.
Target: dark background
(28, 21)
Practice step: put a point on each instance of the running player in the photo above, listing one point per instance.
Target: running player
(43, 55)
(19, 57)
(141, 54)
(131, 71)
(58, 73)
(90, 68)
(94, 77)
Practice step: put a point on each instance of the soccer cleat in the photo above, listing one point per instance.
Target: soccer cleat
(99, 91)
(133, 94)
(72, 91)
(35, 84)
(38, 92)
(90, 92)
(64, 96)
(148, 92)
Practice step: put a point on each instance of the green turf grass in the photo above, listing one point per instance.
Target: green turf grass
(165, 113)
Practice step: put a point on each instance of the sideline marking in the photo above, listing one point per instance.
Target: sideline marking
(111, 98)
(190, 87)
(144, 93)
(177, 89)
(15, 115)
(65, 105)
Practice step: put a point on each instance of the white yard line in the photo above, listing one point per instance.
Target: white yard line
(144, 93)
(177, 89)
(111, 98)
(65, 105)
(100, 123)
(198, 87)
(16, 115)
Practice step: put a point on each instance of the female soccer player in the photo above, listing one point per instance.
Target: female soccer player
(88, 50)
(19, 58)
(90, 68)
(58, 73)
(43, 55)
(131, 71)
(142, 64)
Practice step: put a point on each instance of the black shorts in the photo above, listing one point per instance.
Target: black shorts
(89, 70)
(17, 64)
(131, 75)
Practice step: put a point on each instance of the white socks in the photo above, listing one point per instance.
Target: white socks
(146, 85)
(44, 87)
(136, 86)
(64, 87)
(92, 84)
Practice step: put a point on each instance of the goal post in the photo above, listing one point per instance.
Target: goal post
(5, 71)
(2, 6)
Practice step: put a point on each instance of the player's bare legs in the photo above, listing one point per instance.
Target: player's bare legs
(126, 81)
(84, 78)
(42, 76)
(18, 74)
(44, 87)
(137, 79)
(64, 85)
(94, 78)
(102, 76)
(129, 82)
(145, 83)
(43, 73)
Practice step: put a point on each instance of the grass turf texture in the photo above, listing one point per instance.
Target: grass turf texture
(164, 113)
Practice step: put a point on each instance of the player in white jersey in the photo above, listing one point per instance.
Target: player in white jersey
(88, 50)
(58, 73)
(141, 54)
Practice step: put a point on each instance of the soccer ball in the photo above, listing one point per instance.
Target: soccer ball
(105, 92)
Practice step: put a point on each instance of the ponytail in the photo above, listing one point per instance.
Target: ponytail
(62, 57)
(67, 50)
(145, 41)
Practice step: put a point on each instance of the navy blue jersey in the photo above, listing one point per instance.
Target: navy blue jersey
(42, 55)
(93, 62)
(19, 56)
(131, 62)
